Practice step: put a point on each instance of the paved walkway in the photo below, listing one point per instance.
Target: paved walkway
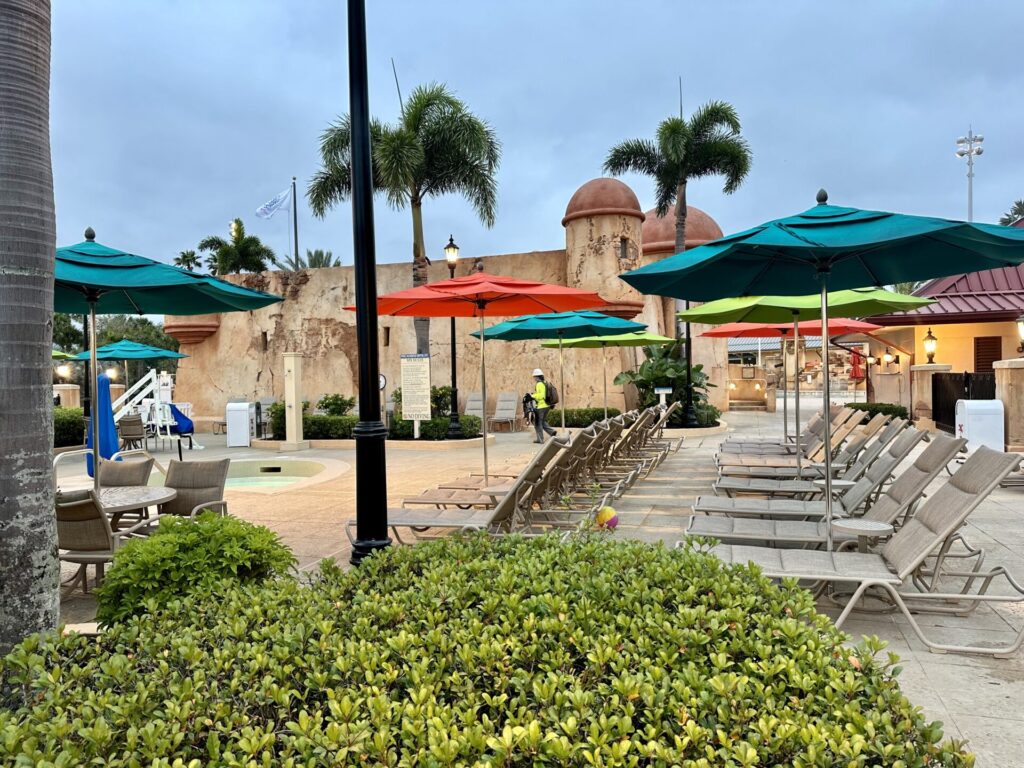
(978, 699)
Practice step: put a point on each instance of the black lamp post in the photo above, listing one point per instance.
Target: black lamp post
(369, 432)
(451, 255)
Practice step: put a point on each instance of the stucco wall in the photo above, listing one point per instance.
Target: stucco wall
(956, 342)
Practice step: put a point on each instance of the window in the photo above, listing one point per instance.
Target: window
(987, 349)
(387, 336)
(265, 341)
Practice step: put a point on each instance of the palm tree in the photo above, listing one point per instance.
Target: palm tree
(315, 259)
(29, 570)
(1015, 213)
(707, 144)
(436, 148)
(188, 260)
(242, 253)
(908, 287)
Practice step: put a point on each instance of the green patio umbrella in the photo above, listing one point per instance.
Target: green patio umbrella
(854, 302)
(95, 279)
(559, 326)
(830, 247)
(633, 339)
(58, 355)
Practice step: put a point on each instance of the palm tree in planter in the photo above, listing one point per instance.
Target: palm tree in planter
(29, 570)
(242, 253)
(188, 260)
(438, 147)
(707, 144)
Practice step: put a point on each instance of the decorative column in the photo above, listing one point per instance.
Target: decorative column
(1010, 389)
(293, 403)
(921, 393)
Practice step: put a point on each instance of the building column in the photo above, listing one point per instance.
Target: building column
(921, 394)
(1010, 389)
(293, 403)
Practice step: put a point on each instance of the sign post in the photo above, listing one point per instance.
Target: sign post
(416, 390)
(661, 392)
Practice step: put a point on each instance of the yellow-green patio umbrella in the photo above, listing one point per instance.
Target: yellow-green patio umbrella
(634, 339)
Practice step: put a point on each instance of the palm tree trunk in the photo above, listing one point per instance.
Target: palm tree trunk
(419, 276)
(29, 570)
(689, 411)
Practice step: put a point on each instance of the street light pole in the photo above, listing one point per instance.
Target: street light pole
(969, 146)
(369, 432)
(451, 255)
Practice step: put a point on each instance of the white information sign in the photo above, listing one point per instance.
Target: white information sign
(416, 387)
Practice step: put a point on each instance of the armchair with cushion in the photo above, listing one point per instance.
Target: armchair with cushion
(200, 486)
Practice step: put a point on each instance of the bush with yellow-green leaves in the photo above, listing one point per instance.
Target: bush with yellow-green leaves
(473, 651)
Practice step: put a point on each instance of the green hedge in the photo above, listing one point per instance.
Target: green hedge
(481, 650)
(314, 426)
(68, 427)
(435, 429)
(889, 409)
(183, 556)
(579, 417)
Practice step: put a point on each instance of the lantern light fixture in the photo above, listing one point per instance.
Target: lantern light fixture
(930, 345)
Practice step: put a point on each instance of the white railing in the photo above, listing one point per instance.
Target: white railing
(146, 387)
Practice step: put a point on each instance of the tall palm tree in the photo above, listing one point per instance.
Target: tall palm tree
(188, 260)
(29, 570)
(707, 144)
(437, 147)
(1015, 213)
(242, 253)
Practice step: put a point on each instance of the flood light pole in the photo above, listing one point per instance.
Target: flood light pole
(969, 146)
(370, 432)
(451, 255)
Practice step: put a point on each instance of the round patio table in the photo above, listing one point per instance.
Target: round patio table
(862, 529)
(118, 499)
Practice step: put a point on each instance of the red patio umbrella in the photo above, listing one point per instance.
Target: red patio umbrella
(482, 295)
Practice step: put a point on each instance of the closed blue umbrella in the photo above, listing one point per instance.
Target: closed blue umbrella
(101, 422)
(560, 326)
(829, 247)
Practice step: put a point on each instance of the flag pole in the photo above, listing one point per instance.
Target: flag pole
(295, 221)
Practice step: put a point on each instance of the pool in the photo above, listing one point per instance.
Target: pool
(270, 474)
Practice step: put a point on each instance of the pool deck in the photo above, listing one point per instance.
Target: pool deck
(977, 698)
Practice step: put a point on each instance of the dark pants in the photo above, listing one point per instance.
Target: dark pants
(541, 423)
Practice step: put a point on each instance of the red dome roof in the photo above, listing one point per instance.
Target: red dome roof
(658, 235)
(602, 196)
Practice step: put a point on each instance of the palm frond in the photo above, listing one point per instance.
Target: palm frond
(398, 156)
(638, 155)
(665, 189)
(674, 139)
(721, 154)
(212, 243)
(711, 118)
(425, 102)
(330, 185)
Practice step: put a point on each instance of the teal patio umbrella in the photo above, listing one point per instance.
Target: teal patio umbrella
(95, 279)
(830, 247)
(126, 350)
(560, 326)
(633, 339)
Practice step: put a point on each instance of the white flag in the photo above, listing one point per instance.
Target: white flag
(267, 210)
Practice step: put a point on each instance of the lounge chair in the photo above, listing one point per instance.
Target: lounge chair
(506, 411)
(501, 518)
(85, 537)
(937, 520)
(200, 486)
(812, 445)
(788, 484)
(810, 435)
(474, 406)
(793, 522)
(813, 453)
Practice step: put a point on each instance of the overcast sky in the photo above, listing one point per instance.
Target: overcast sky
(171, 117)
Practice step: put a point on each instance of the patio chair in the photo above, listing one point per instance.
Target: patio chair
(132, 432)
(474, 406)
(789, 484)
(503, 517)
(200, 486)
(506, 411)
(801, 522)
(85, 537)
(889, 571)
(114, 474)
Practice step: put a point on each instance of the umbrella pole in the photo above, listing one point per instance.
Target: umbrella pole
(796, 377)
(561, 378)
(604, 354)
(827, 433)
(94, 411)
(483, 394)
(785, 400)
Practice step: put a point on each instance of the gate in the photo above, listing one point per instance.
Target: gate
(947, 388)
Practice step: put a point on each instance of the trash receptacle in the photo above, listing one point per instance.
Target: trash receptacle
(236, 418)
(980, 422)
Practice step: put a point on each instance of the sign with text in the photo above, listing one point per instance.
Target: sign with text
(416, 387)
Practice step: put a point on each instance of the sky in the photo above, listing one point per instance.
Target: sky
(172, 117)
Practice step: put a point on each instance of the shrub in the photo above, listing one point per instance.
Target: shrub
(435, 429)
(184, 556)
(478, 650)
(440, 401)
(315, 427)
(277, 420)
(336, 405)
(889, 409)
(579, 417)
(68, 427)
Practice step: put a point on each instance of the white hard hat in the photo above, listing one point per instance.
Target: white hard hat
(538, 372)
